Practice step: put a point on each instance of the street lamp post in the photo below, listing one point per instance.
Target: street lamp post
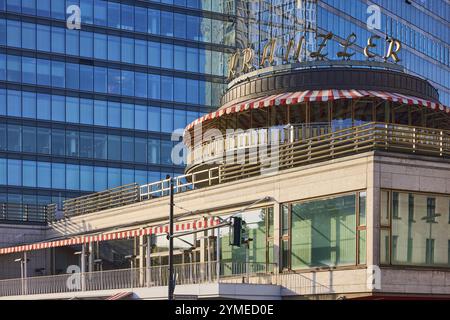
(23, 272)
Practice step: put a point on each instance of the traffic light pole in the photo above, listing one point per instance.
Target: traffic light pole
(171, 273)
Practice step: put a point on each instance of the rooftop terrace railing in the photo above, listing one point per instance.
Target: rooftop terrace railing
(18, 212)
(289, 154)
(112, 198)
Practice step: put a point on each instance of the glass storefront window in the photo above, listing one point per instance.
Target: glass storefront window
(323, 233)
(419, 230)
(259, 248)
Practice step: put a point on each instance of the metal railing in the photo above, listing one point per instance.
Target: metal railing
(183, 183)
(323, 144)
(156, 276)
(253, 138)
(107, 199)
(353, 140)
(18, 212)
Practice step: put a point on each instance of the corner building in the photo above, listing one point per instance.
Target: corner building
(340, 170)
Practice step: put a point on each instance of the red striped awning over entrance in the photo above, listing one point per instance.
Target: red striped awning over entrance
(155, 230)
(317, 96)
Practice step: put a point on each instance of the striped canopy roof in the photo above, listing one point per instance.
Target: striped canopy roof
(117, 235)
(318, 96)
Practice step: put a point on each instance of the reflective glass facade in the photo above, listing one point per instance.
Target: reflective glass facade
(90, 109)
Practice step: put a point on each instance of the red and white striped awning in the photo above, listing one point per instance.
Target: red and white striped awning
(317, 96)
(120, 296)
(156, 230)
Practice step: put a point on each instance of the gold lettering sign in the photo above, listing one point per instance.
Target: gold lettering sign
(289, 47)
(350, 41)
(370, 44)
(394, 47)
(232, 65)
(318, 55)
(243, 62)
(298, 51)
(268, 53)
(248, 57)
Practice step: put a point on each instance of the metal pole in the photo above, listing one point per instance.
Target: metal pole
(83, 267)
(218, 255)
(21, 277)
(25, 272)
(171, 273)
(148, 249)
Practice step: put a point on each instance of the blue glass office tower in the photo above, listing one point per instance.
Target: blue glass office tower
(91, 109)
(423, 27)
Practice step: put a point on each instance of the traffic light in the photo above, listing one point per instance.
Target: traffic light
(237, 232)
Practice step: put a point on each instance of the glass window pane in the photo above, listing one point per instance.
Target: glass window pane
(58, 175)
(323, 233)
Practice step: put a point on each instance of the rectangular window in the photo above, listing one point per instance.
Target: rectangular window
(44, 141)
(86, 78)
(86, 178)
(153, 151)
(43, 72)
(73, 76)
(100, 113)
(58, 108)
(72, 109)
(154, 18)
(362, 246)
(43, 38)
(154, 54)
(100, 146)
(86, 111)
(3, 143)
(29, 139)
(86, 145)
(100, 179)
(44, 175)
(58, 142)
(29, 70)
(14, 68)
(113, 147)
(420, 240)
(14, 138)
(154, 119)
(3, 174)
(43, 106)
(58, 74)
(114, 114)
(140, 150)
(127, 149)
(323, 232)
(28, 35)
(14, 172)
(72, 143)
(29, 105)
(58, 175)
(72, 177)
